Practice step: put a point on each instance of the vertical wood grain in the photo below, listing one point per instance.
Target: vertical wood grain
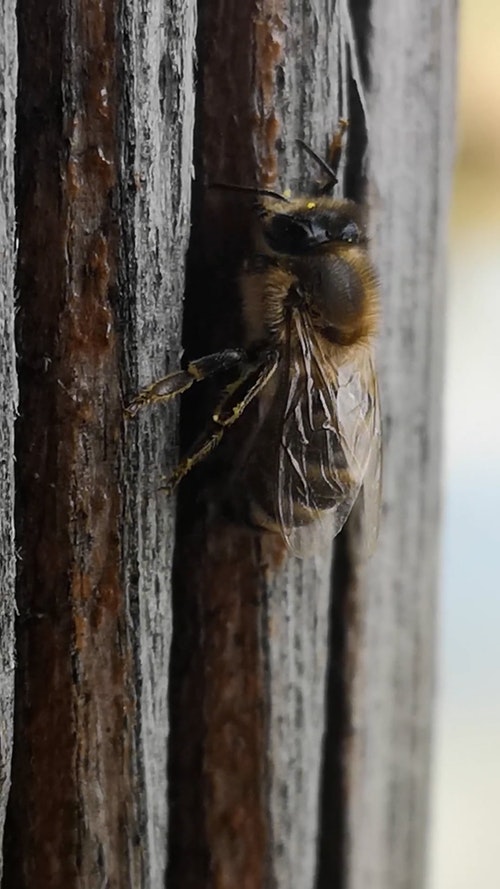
(8, 393)
(103, 180)
(411, 127)
(336, 797)
(283, 738)
(156, 134)
(251, 623)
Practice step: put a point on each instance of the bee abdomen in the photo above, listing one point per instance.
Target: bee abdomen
(309, 492)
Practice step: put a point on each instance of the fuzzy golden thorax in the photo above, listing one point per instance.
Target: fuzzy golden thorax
(311, 253)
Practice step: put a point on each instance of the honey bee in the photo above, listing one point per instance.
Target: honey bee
(304, 372)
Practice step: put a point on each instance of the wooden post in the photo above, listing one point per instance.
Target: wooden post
(104, 132)
(250, 623)
(269, 786)
(8, 394)
(292, 712)
(411, 126)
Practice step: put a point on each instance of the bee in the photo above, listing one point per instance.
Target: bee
(304, 372)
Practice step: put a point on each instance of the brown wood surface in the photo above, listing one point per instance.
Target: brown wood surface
(285, 793)
(251, 622)
(8, 393)
(105, 114)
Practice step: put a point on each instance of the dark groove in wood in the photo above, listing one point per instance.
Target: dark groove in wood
(331, 857)
(218, 743)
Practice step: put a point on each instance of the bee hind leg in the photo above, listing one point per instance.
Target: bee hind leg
(179, 381)
(236, 398)
(201, 449)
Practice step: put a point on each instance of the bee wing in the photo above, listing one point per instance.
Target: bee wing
(330, 439)
(360, 429)
(370, 494)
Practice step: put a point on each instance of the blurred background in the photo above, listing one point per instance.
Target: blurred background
(465, 827)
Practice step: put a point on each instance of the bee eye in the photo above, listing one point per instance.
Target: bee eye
(349, 233)
(290, 234)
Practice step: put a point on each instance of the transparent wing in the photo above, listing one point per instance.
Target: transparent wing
(330, 438)
(370, 494)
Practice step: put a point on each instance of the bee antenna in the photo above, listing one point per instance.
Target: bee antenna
(248, 189)
(330, 172)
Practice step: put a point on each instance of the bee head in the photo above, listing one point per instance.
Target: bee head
(307, 226)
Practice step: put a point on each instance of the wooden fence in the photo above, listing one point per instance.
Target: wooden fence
(191, 710)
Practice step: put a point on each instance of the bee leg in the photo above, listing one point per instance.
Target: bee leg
(236, 398)
(177, 382)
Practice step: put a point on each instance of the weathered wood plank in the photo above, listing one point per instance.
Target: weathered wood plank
(250, 649)
(252, 753)
(104, 134)
(8, 392)
(72, 812)
(156, 134)
(411, 111)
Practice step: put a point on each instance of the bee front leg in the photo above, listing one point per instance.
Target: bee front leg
(236, 398)
(181, 380)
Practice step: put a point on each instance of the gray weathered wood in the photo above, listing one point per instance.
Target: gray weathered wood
(411, 124)
(156, 144)
(8, 392)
